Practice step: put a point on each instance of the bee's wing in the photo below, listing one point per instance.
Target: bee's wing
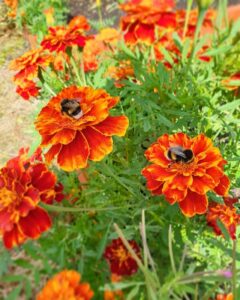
(178, 151)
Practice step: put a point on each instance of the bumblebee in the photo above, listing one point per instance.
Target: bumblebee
(179, 154)
(72, 108)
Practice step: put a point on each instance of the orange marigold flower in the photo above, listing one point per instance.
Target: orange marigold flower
(13, 5)
(77, 126)
(93, 51)
(114, 294)
(226, 213)
(28, 65)
(109, 35)
(184, 169)
(60, 37)
(123, 71)
(79, 23)
(224, 296)
(119, 258)
(233, 82)
(24, 182)
(207, 26)
(27, 89)
(65, 286)
(60, 60)
(143, 17)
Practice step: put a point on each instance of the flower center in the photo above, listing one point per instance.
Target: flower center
(7, 198)
(185, 169)
(122, 254)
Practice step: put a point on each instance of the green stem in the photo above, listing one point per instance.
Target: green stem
(100, 15)
(78, 209)
(49, 89)
(234, 270)
(73, 63)
(200, 20)
(170, 249)
(150, 282)
(189, 6)
(113, 175)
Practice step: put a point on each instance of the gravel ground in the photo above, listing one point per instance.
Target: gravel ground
(15, 113)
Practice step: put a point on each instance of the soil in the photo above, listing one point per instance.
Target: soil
(15, 113)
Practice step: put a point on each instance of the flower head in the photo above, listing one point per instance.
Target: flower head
(233, 82)
(28, 64)
(108, 35)
(226, 213)
(93, 52)
(79, 23)
(24, 182)
(118, 73)
(224, 296)
(12, 4)
(76, 125)
(184, 169)
(119, 258)
(65, 286)
(27, 89)
(114, 294)
(60, 37)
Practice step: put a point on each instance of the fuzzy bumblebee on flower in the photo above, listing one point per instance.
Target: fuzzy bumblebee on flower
(184, 169)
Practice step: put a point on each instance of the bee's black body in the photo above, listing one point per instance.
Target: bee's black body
(179, 154)
(71, 107)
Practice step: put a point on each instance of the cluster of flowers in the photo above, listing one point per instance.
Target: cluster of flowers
(66, 284)
(25, 183)
(76, 126)
(155, 22)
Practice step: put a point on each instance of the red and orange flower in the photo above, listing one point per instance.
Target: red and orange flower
(186, 182)
(27, 89)
(61, 37)
(119, 258)
(65, 286)
(114, 294)
(24, 182)
(123, 71)
(224, 296)
(226, 213)
(233, 82)
(75, 140)
(143, 17)
(28, 64)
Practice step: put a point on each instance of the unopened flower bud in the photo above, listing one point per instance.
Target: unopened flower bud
(204, 4)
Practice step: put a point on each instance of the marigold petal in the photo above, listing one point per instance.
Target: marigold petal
(193, 204)
(43, 179)
(52, 152)
(203, 184)
(13, 238)
(6, 223)
(223, 187)
(179, 139)
(180, 182)
(173, 195)
(36, 222)
(156, 154)
(145, 33)
(74, 155)
(99, 144)
(200, 144)
(113, 126)
(65, 136)
(152, 184)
